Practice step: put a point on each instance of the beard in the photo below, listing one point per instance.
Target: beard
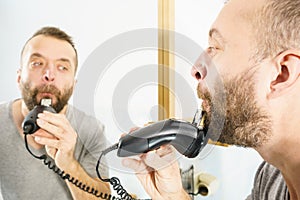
(234, 116)
(29, 95)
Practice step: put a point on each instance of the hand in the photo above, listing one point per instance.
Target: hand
(159, 173)
(61, 146)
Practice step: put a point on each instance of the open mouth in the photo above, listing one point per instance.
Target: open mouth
(46, 94)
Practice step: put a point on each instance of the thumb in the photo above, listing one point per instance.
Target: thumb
(153, 160)
(134, 164)
(51, 151)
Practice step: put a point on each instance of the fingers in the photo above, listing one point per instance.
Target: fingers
(42, 133)
(51, 151)
(64, 137)
(53, 118)
(157, 162)
(134, 129)
(131, 163)
(153, 160)
(131, 130)
(165, 150)
(50, 128)
(138, 166)
(54, 123)
(54, 143)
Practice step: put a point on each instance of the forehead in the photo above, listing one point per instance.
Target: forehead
(50, 48)
(235, 19)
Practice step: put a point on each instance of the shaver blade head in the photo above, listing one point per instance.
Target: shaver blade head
(46, 102)
(29, 124)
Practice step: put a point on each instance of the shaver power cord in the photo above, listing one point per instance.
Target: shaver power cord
(115, 182)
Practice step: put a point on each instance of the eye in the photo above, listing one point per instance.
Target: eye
(212, 51)
(37, 63)
(62, 68)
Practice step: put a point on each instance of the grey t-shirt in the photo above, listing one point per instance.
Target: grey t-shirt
(26, 178)
(269, 184)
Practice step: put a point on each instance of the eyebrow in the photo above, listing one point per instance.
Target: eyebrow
(215, 33)
(36, 55)
(41, 56)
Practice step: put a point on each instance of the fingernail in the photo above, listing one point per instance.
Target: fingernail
(41, 115)
(39, 121)
(37, 138)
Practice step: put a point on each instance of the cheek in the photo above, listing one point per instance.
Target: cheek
(223, 66)
(232, 62)
(22, 79)
(65, 82)
(28, 76)
(261, 89)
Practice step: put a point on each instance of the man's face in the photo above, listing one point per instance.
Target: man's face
(236, 97)
(48, 70)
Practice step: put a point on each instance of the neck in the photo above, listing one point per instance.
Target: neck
(293, 184)
(286, 158)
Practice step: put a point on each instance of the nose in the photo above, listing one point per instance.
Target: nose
(48, 75)
(199, 70)
(196, 74)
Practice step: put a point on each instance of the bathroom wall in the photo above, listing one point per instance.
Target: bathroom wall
(117, 78)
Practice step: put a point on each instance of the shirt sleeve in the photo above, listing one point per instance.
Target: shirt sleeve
(256, 186)
(91, 141)
(93, 147)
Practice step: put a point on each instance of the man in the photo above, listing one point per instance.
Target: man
(71, 138)
(255, 46)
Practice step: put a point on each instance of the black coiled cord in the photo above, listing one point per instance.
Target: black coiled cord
(114, 181)
(66, 176)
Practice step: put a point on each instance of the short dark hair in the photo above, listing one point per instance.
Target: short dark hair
(55, 33)
(277, 27)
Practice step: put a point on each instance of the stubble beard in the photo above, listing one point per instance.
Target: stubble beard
(30, 99)
(234, 116)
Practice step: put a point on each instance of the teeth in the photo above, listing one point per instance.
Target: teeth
(46, 102)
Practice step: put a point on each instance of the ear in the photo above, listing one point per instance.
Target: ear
(287, 65)
(19, 72)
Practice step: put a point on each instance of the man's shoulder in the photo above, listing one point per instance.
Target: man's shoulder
(266, 168)
(89, 129)
(4, 108)
(267, 174)
(3, 104)
(81, 119)
(269, 182)
(72, 111)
